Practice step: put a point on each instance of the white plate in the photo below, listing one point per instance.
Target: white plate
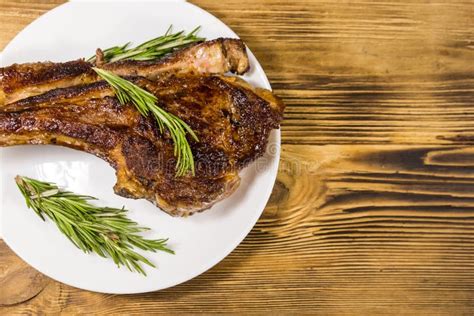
(74, 30)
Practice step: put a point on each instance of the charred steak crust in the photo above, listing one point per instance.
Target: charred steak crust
(218, 56)
(232, 121)
(21, 75)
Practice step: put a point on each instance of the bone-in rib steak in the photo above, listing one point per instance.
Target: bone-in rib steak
(231, 119)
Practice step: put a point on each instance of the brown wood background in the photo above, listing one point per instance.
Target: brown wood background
(373, 210)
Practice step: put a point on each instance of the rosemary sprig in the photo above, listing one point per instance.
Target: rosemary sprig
(152, 49)
(145, 102)
(103, 230)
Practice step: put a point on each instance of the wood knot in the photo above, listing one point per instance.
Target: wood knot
(18, 281)
(279, 194)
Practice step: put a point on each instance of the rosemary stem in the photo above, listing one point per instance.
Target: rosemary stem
(103, 230)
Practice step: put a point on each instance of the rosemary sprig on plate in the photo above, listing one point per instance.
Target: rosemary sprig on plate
(145, 102)
(152, 49)
(103, 230)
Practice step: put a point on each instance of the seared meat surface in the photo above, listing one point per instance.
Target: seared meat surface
(231, 119)
(218, 56)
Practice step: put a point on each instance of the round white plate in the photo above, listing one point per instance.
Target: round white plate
(75, 30)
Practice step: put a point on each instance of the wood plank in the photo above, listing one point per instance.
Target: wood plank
(373, 210)
(353, 230)
(373, 73)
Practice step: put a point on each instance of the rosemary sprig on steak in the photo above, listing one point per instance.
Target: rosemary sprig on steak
(103, 230)
(152, 49)
(145, 102)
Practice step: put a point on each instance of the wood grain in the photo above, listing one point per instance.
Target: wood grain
(373, 210)
(18, 281)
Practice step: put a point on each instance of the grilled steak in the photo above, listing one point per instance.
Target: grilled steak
(216, 57)
(67, 104)
(231, 119)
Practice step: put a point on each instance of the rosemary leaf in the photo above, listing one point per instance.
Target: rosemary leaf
(103, 230)
(146, 103)
(152, 49)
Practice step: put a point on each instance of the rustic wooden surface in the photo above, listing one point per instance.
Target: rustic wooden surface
(373, 210)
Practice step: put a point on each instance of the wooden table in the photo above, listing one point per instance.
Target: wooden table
(373, 209)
